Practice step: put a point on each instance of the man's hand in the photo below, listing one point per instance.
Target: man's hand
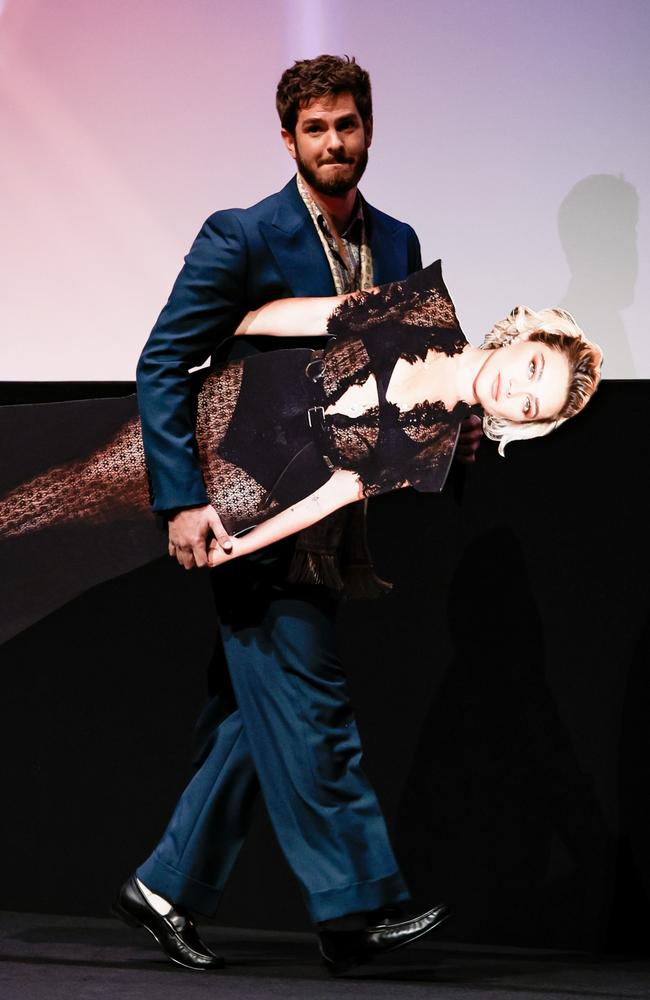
(471, 432)
(217, 555)
(190, 534)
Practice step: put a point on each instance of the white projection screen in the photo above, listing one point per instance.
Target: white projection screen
(513, 135)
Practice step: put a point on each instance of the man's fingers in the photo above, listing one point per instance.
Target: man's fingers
(471, 432)
(470, 437)
(468, 447)
(221, 535)
(472, 426)
(189, 556)
(188, 536)
(200, 555)
(185, 557)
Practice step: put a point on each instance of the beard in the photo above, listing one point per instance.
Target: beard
(335, 186)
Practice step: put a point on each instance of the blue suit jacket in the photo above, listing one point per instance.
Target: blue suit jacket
(241, 259)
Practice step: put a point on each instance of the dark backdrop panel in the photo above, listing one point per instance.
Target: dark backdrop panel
(501, 688)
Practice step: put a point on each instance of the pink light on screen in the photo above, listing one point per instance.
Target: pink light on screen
(120, 134)
(63, 244)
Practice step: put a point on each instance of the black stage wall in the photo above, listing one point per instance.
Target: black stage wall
(502, 690)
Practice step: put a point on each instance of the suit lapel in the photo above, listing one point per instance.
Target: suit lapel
(296, 248)
(294, 243)
(386, 240)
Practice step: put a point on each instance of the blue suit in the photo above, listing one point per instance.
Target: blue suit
(289, 728)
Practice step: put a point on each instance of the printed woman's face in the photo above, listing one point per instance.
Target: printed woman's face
(525, 381)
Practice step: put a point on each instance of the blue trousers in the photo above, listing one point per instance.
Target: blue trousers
(292, 734)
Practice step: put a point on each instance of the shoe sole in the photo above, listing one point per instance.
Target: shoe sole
(118, 911)
(348, 964)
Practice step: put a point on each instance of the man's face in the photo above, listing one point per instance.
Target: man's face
(330, 144)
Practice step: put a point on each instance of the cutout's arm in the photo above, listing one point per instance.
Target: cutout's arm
(293, 317)
(343, 487)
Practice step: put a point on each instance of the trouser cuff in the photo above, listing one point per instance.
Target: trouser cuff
(357, 897)
(179, 888)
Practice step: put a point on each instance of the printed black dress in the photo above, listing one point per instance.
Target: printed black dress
(265, 440)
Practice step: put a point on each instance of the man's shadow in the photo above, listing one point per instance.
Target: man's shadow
(597, 224)
(496, 815)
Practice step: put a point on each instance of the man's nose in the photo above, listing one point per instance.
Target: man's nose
(334, 140)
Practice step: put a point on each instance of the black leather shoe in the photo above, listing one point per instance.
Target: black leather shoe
(343, 950)
(175, 932)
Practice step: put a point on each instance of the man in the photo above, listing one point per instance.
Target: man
(283, 722)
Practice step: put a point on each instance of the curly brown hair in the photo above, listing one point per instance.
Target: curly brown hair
(308, 79)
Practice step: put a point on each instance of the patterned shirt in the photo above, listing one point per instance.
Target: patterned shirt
(356, 272)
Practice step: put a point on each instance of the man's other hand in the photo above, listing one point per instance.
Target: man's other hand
(471, 432)
(190, 534)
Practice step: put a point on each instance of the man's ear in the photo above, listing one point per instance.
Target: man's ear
(367, 128)
(289, 139)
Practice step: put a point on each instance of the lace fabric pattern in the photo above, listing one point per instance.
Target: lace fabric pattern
(425, 422)
(233, 492)
(423, 465)
(348, 363)
(387, 447)
(420, 302)
(111, 482)
(394, 303)
(352, 438)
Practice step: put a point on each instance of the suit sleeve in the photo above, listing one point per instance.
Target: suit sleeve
(205, 306)
(414, 251)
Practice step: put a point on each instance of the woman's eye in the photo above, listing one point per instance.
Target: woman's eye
(526, 406)
(532, 368)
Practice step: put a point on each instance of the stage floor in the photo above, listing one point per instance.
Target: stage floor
(58, 957)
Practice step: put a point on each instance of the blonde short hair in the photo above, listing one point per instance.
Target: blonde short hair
(558, 329)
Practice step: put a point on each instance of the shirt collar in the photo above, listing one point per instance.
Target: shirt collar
(357, 221)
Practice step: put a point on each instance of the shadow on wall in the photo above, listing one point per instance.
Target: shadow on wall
(597, 225)
(516, 837)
